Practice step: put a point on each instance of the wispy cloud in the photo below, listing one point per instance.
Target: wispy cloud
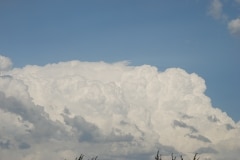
(216, 10)
(238, 1)
(234, 27)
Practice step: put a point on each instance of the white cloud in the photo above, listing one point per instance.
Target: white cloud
(216, 10)
(234, 27)
(5, 63)
(114, 111)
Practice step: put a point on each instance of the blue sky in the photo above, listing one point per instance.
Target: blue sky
(195, 35)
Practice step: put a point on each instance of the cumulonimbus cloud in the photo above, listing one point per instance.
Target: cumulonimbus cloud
(115, 111)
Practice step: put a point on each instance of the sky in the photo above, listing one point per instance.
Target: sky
(176, 59)
(198, 36)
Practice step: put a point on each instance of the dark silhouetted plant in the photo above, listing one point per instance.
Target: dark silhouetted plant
(173, 158)
(158, 156)
(195, 156)
(82, 155)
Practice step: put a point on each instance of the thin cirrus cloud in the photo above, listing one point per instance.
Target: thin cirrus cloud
(113, 110)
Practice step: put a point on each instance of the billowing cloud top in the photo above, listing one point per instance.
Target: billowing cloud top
(5, 63)
(115, 111)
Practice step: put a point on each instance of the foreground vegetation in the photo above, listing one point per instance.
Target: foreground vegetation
(158, 157)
